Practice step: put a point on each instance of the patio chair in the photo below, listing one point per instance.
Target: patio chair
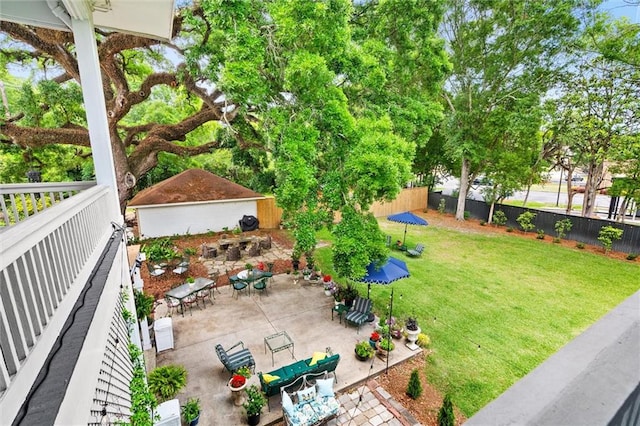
(239, 286)
(182, 266)
(359, 311)
(232, 361)
(155, 270)
(189, 301)
(171, 303)
(206, 293)
(416, 252)
(261, 285)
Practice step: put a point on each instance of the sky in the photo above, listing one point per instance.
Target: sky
(620, 8)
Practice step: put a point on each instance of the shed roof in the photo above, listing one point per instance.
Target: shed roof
(192, 185)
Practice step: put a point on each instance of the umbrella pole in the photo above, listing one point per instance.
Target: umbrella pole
(405, 234)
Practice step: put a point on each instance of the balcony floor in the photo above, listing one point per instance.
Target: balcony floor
(302, 310)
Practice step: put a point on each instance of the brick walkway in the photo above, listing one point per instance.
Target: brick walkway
(371, 405)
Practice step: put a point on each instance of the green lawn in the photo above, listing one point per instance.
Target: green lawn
(496, 306)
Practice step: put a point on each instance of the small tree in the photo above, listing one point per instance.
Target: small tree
(445, 415)
(562, 227)
(607, 235)
(414, 389)
(525, 220)
(499, 218)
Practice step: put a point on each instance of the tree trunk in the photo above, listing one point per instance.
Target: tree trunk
(464, 189)
(526, 197)
(594, 178)
(623, 209)
(493, 205)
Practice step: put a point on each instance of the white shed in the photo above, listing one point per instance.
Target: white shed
(192, 202)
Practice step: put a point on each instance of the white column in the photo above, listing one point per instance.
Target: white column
(92, 92)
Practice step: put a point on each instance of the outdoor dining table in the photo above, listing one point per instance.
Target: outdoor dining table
(187, 289)
(249, 277)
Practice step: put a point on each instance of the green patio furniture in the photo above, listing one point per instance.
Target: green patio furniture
(261, 285)
(273, 381)
(359, 311)
(416, 252)
(232, 361)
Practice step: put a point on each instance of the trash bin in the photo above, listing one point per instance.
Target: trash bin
(163, 329)
(169, 413)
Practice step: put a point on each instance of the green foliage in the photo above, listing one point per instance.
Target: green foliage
(580, 245)
(562, 227)
(142, 399)
(466, 214)
(446, 416)
(442, 205)
(255, 400)
(386, 344)
(525, 221)
(159, 249)
(540, 235)
(510, 229)
(144, 304)
(499, 218)
(632, 256)
(190, 410)
(414, 388)
(607, 235)
(244, 371)
(364, 349)
(165, 382)
(423, 340)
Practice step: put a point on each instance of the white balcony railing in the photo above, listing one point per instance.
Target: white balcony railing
(44, 262)
(23, 200)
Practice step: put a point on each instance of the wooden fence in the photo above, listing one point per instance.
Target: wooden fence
(409, 199)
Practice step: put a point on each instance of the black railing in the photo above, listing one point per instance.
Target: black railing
(585, 230)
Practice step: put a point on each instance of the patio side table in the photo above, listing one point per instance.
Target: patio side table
(278, 342)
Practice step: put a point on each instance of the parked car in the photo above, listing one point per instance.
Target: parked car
(482, 181)
(576, 178)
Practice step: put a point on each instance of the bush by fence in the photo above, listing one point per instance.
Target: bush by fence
(585, 230)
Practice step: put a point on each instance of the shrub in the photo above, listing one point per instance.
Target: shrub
(607, 235)
(579, 245)
(499, 218)
(525, 221)
(423, 340)
(540, 234)
(442, 205)
(445, 415)
(632, 256)
(483, 223)
(556, 240)
(414, 388)
(562, 227)
(466, 214)
(165, 382)
(510, 229)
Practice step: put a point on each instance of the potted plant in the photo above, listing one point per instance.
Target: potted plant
(306, 273)
(364, 350)
(165, 382)
(395, 329)
(237, 383)
(191, 411)
(350, 294)
(295, 260)
(296, 276)
(412, 330)
(254, 404)
(191, 281)
(384, 346)
(330, 287)
(374, 339)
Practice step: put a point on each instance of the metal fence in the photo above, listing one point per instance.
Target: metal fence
(585, 230)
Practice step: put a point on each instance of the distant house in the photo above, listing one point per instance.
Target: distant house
(192, 202)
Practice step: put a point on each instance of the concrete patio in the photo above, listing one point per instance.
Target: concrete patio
(302, 310)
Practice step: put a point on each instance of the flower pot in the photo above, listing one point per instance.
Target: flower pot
(412, 336)
(195, 421)
(373, 343)
(254, 419)
(360, 358)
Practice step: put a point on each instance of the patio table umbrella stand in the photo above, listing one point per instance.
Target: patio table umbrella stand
(407, 218)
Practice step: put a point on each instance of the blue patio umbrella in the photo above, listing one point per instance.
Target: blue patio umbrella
(407, 218)
(393, 270)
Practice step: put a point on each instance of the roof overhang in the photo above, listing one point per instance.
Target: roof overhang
(148, 18)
